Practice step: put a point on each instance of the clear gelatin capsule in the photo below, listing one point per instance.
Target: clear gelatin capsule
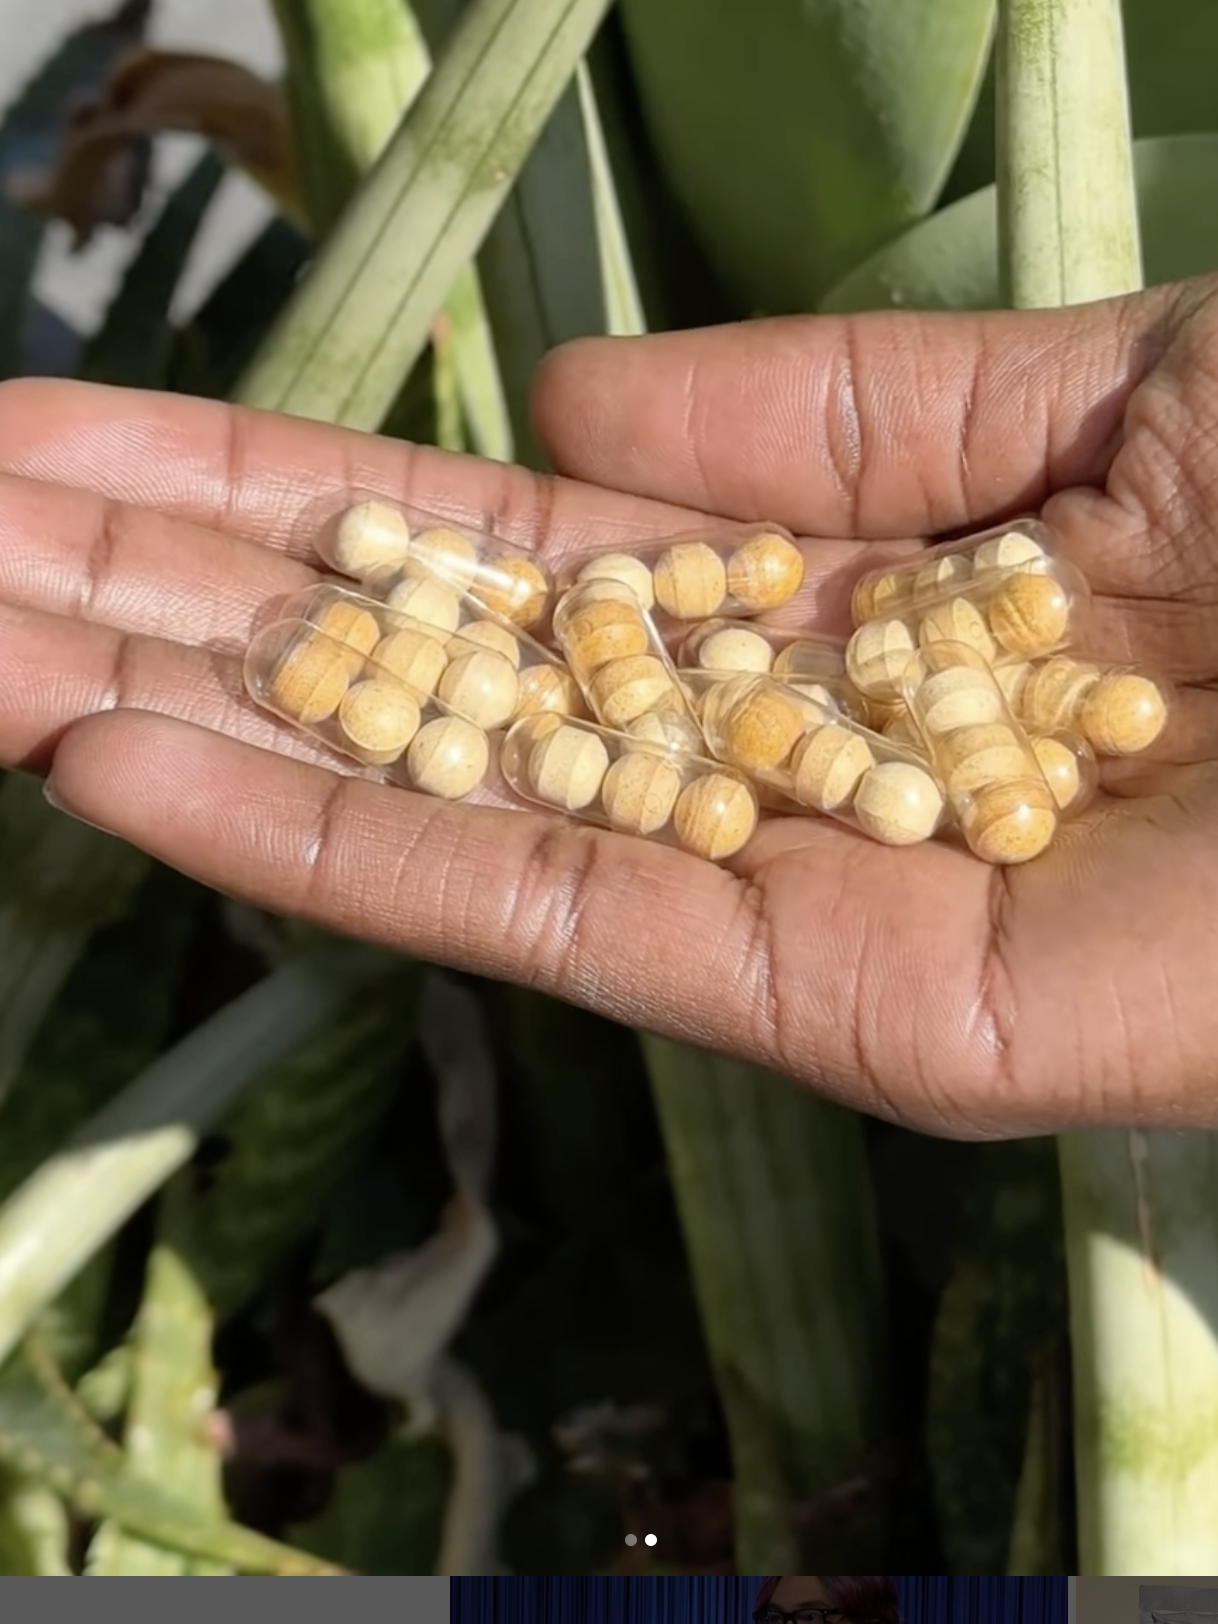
(481, 667)
(365, 711)
(1119, 711)
(804, 660)
(981, 753)
(724, 569)
(620, 662)
(607, 778)
(819, 760)
(891, 588)
(372, 537)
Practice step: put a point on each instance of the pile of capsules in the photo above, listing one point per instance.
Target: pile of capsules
(455, 664)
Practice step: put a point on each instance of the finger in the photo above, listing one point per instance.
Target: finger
(883, 424)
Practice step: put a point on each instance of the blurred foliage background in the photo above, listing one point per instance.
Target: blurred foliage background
(314, 1258)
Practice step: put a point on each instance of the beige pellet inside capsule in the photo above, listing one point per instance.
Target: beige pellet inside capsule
(1010, 821)
(601, 631)
(625, 689)
(369, 536)
(760, 730)
(515, 588)
(735, 648)
(552, 688)
(714, 816)
(826, 767)
(415, 655)
(639, 792)
(690, 581)
(961, 696)
(482, 686)
(876, 657)
(448, 757)
(446, 552)
(898, 803)
(309, 680)
(1029, 614)
(623, 570)
(356, 629)
(764, 572)
(1122, 714)
(486, 634)
(426, 599)
(567, 767)
(378, 718)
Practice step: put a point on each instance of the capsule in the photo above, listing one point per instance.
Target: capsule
(804, 660)
(619, 659)
(366, 712)
(981, 753)
(481, 668)
(1117, 710)
(607, 778)
(725, 569)
(376, 538)
(893, 588)
(818, 760)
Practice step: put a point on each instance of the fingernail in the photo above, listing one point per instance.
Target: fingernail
(49, 795)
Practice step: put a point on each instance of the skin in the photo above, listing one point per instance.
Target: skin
(792, 1592)
(140, 536)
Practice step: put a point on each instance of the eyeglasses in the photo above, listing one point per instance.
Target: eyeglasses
(803, 1615)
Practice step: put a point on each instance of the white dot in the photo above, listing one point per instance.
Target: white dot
(632, 1539)
(649, 1539)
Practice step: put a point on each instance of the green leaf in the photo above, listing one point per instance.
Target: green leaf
(33, 1531)
(385, 1513)
(798, 138)
(134, 343)
(950, 262)
(364, 312)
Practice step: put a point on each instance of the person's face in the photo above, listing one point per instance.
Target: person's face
(792, 1593)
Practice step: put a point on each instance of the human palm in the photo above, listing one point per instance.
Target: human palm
(141, 535)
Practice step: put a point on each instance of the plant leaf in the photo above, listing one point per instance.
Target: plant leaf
(385, 1513)
(364, 312)
(798, 138)
(950, 262)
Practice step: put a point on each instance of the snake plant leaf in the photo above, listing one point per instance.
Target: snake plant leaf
(798, 138)
(950, 261)
(363, 313)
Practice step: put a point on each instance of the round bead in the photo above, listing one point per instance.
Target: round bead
(669, 729)
(1030, 614)
(1123, 714)
(735, 648)
(515, 588)
(898, 803)
(623, 569)
(567, 767)
(1011, 821)
(876, 657)
(624, 689)
(417, 656)
(985, 754)
(804, 658)
(765, 572)
(482, 686)
(609, 629)
(956, 621)
(1060, 767)
(1054, 692)
(309, 680)
(878, 596)
(958, 697)
(714, 816)
(1006, 551)
(378, 718)
(548, 688)
(640, 792)
(938, 575)
(762, 728)
(355, 628)
(424, 598)
(367, 537)
(441, 551)
(485, 634)
(448, 757)
(827, 765)
(690, 580)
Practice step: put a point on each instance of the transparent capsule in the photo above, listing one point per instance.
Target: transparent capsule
(724, 569)
(619, 659)
(892, 588)
(802, 660)
(819, 760)
(617, 782)
(1117, 710)
(376, 538)
(488, 669)
(981, 753)
(366, 712)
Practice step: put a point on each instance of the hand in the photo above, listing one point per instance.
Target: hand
(140, 535)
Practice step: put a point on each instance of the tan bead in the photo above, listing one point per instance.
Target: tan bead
(445, 552)
(355, 628)
(735, 648)
(827, 765)
(761, 730)
(417, 656)
(515, 588)
(515, 749)
(1006, 551)
(876, 657)
(624, 689)
(448, 757)
(623, 569)
(765, 572)
(482, 686)
(823, 698)
(898, 803)
(602, 631)
(378, 718)
(956, 621)
(986, 754)
(1054, 692)
(1030, 614)
(548, 688)
(309, 680)
(1060, 767)
(567, 768)
(640, 792)
(939, 575)
(804, 658)
(1011, 821)
(877, 597)
(1012, 678)
(958, 697)
(367, 537)
(1122, 714)
(485, 634)
(425, 598)
(668, 729)
(690, 580)
(715, 816)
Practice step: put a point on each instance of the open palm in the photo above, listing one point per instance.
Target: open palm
(141, 535)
